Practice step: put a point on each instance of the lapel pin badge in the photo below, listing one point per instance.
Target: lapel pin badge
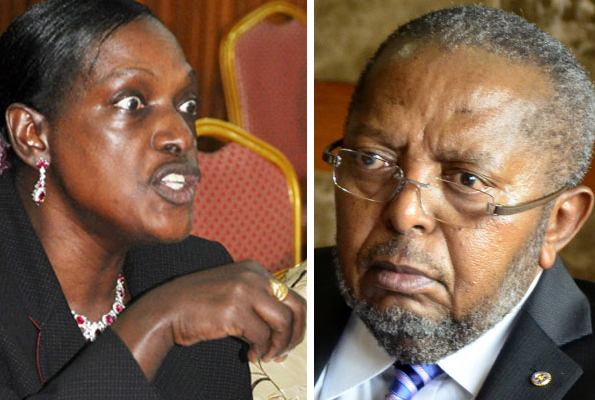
(541, 378)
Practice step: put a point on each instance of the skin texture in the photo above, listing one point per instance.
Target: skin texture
(128, 122)
(441, 113)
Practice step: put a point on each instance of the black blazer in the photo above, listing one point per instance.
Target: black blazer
(554, 333)
(43, 354)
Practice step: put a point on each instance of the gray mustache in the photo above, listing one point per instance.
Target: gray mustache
(399, 246)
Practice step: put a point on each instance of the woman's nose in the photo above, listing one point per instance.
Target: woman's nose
(174, 135)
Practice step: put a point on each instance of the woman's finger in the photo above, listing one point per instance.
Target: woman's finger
(257, 333)
(297, 304)
(280, 320)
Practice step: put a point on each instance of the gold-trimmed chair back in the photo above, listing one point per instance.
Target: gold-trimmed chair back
(263, 67)
(248, 198)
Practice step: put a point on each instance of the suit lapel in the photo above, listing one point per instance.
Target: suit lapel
(546, 322)
(529, 350)
(48, 310)
(331, 314)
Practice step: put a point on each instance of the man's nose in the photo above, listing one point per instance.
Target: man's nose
(173, 135)
(405, 212)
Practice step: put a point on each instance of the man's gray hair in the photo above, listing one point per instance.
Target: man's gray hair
(564, 127)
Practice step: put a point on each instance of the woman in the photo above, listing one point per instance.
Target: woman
(99, 106)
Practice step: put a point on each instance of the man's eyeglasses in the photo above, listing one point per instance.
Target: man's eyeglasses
(369, 176)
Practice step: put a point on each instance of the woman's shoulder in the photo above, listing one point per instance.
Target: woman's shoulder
(192, 249)
(152, 264)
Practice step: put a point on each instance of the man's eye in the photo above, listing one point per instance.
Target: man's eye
(130, 103)
(189, 107)
(369, 161)
(469, 180)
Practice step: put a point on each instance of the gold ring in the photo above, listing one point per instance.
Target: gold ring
(280, 291)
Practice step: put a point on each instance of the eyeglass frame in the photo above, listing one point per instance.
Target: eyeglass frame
(494, 209)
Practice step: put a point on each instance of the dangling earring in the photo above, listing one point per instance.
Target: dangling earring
(38, 193)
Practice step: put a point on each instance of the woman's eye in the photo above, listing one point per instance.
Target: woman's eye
(189, 107)
(130, 103)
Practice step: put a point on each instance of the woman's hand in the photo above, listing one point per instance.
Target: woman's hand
(230, 300)
(235, 300)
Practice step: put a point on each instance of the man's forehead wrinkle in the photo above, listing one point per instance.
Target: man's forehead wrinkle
(382, 136)
(469, 156)
(449, 151)
(480, 99)
(463, 110)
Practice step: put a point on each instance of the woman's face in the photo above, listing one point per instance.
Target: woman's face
(123, 151)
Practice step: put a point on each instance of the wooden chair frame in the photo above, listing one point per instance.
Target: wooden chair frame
(228, 132)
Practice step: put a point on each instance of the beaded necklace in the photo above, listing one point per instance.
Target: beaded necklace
(91, 329)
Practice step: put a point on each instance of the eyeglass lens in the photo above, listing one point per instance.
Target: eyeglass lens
(373, 179)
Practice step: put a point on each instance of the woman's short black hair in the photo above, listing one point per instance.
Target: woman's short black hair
(44, 50)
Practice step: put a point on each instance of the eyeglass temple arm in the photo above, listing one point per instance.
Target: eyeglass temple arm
(499, 209)
(327, 155)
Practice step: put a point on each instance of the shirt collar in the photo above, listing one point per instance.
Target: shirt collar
(358, 357)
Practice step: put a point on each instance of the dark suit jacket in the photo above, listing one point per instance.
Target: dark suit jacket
(43, 354)
(554, 333)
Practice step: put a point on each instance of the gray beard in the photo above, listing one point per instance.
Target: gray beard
(411, 338)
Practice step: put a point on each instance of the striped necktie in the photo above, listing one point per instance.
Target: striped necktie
(409, 379)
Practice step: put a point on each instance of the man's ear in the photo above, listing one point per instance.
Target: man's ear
(28, 133)
(570, 212)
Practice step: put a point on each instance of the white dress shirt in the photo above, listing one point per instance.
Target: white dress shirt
(359, 369)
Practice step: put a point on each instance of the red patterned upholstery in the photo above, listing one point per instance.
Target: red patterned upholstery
(243, 201)
(270, 74)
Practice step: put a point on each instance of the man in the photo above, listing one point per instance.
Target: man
(456, 186)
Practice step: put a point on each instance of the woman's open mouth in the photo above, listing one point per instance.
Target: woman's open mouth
(176, 183)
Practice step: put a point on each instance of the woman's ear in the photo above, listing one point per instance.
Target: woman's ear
(28, 133)
(571, 210)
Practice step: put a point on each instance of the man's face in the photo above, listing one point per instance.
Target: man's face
(438, 113)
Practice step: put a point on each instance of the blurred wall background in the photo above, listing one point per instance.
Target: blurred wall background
(347, 33)
(199, 25)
